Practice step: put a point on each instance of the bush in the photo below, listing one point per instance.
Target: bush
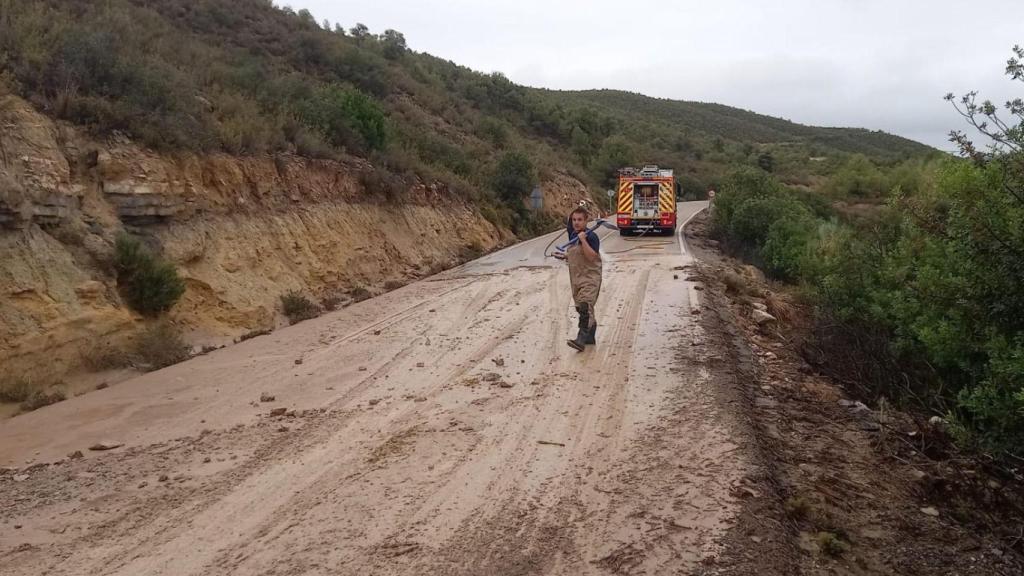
(41, 398)
(786, 245)
(359, 293)
(346, 117)
(101, 356)
(31, 393)
(831, 544)
(513, 178)
(15, 389)
(159, 345)
(330, 303)
(149, 284)
(297, 307)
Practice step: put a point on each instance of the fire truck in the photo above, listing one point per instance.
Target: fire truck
(646, 201)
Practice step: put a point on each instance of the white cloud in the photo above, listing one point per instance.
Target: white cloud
(879, 64)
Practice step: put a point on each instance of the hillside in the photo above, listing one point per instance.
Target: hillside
(719, 121)
(245, 77)
(262, 152)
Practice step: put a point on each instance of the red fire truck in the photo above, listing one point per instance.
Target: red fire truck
(646, 201)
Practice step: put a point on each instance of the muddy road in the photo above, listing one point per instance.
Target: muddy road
(443, 428)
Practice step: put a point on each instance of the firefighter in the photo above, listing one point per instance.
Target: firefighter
(584, 259)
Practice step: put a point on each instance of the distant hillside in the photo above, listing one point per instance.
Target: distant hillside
(246, 77)
(717, 120)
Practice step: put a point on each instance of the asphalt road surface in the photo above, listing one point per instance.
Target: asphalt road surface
(442, 428)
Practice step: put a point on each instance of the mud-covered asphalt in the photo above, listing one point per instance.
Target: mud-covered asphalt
(442, 428)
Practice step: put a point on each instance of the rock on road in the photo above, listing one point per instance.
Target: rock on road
(442, 428)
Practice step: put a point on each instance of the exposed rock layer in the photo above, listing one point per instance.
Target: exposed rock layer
(242, 231)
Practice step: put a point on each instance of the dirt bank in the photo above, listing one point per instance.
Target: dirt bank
(242, 231)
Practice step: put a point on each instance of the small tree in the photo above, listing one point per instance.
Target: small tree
(346, 117)
(360, 32)
(393, 43)
(149, 284)
(514, 177)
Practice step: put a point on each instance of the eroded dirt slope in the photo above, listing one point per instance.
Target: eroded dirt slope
(242, 231)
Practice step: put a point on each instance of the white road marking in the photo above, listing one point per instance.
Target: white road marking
(679, 231)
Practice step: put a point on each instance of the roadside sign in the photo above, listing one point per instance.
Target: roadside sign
(611, 192)
(537, 198)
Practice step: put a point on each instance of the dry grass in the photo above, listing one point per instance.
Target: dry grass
(797, 508)
(735, 283)
(782, 306)
(297, 307)
(393, 284)
(358, 294)
(100, 356)
(41, 398)
(254, 333)
(15, 389)
(831, 545)
(31, 393)
(160, 345)
(331, 303)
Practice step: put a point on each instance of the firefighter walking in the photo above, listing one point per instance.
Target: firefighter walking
(584, 259)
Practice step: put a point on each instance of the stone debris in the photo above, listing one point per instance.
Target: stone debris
(761, 317)
(105, 445)
(267, 397)
(278, 411)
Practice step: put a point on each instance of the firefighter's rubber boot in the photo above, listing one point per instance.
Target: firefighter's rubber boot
(581, 337)
(592, 335)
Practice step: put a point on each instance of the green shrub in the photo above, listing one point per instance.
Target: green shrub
(786, 245)
(346, 117)
(831, 544)
(297, 307)
(149, 284)
(513, 178)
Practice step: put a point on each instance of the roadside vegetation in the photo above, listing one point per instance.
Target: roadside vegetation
(246, 77)
(148, 283)
(297, 307)
(29, 394)
(915, 271)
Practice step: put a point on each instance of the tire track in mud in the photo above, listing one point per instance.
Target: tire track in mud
(186, 508)
(528, 527)
(442, 473)
(329, 487)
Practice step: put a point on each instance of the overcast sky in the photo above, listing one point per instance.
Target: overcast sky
(879, 64)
